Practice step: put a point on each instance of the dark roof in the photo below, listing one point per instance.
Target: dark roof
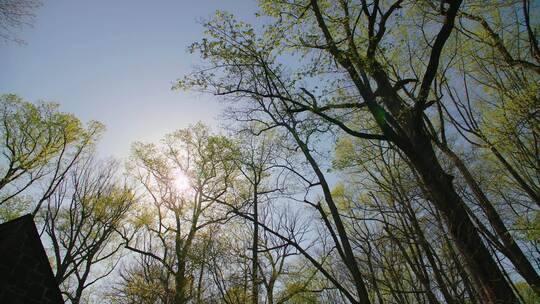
(25, 273)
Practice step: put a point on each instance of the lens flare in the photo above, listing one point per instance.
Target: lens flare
(180, 181)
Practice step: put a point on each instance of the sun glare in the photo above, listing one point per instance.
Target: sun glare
(181, 181)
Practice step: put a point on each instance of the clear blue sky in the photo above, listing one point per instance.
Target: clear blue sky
(115, 61)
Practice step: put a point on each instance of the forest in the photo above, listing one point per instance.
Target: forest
(369, 152)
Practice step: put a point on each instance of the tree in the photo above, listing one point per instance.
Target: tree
(496, 115)
(350, 68)
(145, 281)
(256, 161)
(81, 220)
(181, 180)
(396, 229)
(14, 15)
(39, 145)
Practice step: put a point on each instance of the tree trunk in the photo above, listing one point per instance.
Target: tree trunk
(180, 285)
(255, 247)
(478, 261)
(424, 244)
(511, 248)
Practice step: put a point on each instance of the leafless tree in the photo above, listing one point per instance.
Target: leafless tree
(15, 15)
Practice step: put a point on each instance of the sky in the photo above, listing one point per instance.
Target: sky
(115, 61)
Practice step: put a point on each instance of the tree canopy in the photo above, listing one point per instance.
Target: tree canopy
(372, 152)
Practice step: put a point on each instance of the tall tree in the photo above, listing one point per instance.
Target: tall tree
(181, 181)
(256, 161)
(80, 221)
(354, 56)
(39, 146)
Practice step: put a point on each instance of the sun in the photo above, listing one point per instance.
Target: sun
(180, 181)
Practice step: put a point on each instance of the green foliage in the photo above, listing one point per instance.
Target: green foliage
(295, 86)
(37, 140)
(529, 296)
(300, 295)
(14, 208)
(529, 227)
(236, 295)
